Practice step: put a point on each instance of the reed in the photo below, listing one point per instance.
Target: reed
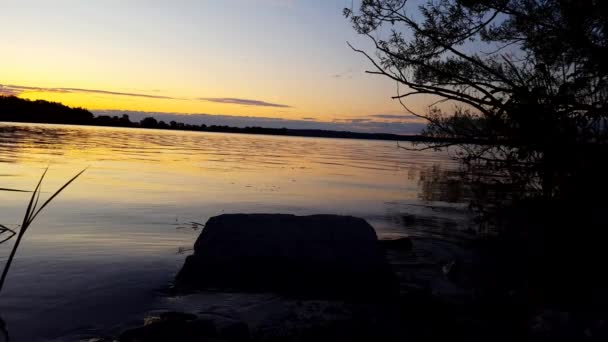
(31, 213)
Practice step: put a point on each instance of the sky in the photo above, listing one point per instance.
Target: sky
(281, 60)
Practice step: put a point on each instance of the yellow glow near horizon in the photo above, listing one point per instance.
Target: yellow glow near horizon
(94, 101)
(290, 54)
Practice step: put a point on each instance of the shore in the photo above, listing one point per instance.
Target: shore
(445, 290)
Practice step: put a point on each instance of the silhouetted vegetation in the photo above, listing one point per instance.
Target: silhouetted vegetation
(529, 80)
(20, 110)
(14, 109)
(31, 212)
(528, 77)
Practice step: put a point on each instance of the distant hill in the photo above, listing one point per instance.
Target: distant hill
(14, 109)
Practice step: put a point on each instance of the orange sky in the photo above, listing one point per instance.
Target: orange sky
(273, 58)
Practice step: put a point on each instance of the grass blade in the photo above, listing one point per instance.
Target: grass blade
(57, 193)
(36, 202)
(13, 190)
(28, 218)
(28, 212)
(22, 231)
(4, 229)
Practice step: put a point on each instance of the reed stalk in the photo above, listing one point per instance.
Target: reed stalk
(31, 213)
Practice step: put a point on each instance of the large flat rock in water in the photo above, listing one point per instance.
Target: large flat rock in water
(319, 255)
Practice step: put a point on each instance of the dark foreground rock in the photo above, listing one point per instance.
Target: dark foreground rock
(324, 256)
(266, 317)
(445, 291)
(403, 244)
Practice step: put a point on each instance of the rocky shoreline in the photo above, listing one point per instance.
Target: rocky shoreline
(431, 290)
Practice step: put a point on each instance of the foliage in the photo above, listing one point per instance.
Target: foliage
(21, 110)
(528, 79)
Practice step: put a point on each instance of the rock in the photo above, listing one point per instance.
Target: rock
(310, 256)
(226, 327)
(237, 331)
(177, 316)
(202, 328)
(552, 325)
(403, 244)
(160, 331)
(171, 326)
(408, 220)
(452, 270)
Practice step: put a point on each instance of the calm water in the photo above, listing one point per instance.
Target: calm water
(100, 253)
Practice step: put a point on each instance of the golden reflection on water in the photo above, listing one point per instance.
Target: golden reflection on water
(153, 166)
(114, 229)
(139, 182)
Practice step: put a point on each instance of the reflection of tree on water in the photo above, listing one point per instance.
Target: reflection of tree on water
(550, 244)
(483, 192)
(439, 184)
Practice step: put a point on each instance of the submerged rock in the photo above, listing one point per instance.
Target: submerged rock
(310, 256)
(401, 244)
(175, 327)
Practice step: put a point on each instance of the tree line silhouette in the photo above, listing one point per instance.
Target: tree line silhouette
(15, 109)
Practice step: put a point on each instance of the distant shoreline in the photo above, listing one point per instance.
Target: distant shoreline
(14, 109)
(287, 132)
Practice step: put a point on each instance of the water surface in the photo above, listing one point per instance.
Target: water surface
(110, 242)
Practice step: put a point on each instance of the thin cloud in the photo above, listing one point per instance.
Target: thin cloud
(119, 93)
(357, 120)
(15, 90)
(243, 102)
(346, 74)
(396, 118)
(9, 92)
(391, 116)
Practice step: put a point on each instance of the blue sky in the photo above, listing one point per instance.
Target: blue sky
(280, 59)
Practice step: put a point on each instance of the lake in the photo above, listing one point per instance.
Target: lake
(101, 253)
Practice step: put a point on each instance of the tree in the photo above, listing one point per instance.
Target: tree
(125, 121)
(148, 122)
(163, 125)
(528, 84)
(528, 80)
(14, 109)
